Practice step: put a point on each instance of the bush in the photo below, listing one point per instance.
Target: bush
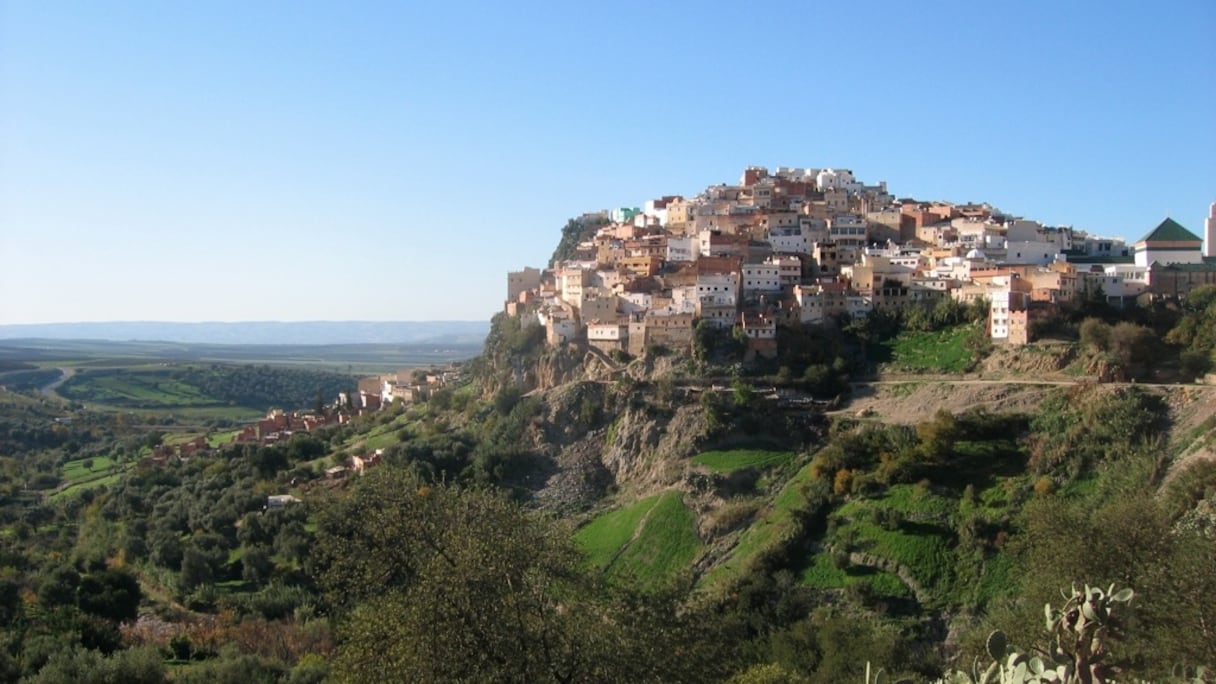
(620, 356)
(843, 482)
(82, 666)
(840, 560)
(1095, 334)
(888, 518)
(657, 350)
(730, 516)
(1195, 363)
(274, 602)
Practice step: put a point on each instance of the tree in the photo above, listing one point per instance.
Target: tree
(203, 560)
(110, 594)
(10, 602)
(256, 565)
(1095, 334)
(743, 393)
(59, 588)
(1128, 540)
(442, 583)
(165, 548)
(82, 666)
(1132, 345)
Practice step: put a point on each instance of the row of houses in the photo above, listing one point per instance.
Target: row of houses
(162, 453)
(807, 246)
(406, 386)
(279, 425)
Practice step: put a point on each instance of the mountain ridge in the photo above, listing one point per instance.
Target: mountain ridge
(256, 332)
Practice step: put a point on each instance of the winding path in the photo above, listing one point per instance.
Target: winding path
(48, 390)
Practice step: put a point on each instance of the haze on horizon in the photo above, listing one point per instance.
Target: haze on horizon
(307, 161)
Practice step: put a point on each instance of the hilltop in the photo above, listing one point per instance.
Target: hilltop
(642, 477)
(800, 377)
(802, 248)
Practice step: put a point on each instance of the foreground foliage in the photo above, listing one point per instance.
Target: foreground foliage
(444, 583)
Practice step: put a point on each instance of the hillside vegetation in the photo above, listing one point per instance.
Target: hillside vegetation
(189, 386)
(681, 516)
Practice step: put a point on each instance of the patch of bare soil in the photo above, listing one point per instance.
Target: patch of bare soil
(1190, 406)
(914, 402)
(1041, 360)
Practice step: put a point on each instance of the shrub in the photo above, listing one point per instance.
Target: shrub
(730, 516)
(843, 482)
(1095, 334)
(888, 518)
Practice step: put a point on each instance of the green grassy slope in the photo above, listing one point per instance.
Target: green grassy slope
(647, 544)
(737, 459)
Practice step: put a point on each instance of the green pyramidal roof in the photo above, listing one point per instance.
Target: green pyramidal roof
(1170, 231)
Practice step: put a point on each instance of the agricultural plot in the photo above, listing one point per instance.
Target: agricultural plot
(823, 574)
(134, 388)
(29, 379)
(214, 390)
(738, 459)
(921, 541)
(775, 523)
(87, 468)
(646, 545)
(87, 473)
(73, 489)
(944, 351)
(604, 537)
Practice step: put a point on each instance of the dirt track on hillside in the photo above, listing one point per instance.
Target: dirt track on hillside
(910, 400)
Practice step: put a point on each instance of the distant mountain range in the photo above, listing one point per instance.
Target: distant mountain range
(261, 332)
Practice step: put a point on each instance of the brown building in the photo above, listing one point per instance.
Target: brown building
(1177, 280)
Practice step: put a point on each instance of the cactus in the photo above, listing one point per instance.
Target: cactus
(1076, 653)
(880, 677)
(997, 644)
(1190, 675)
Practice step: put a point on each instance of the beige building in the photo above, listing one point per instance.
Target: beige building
(519, 282)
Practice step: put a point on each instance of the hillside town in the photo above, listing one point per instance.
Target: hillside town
(811, 246)
(402, 387)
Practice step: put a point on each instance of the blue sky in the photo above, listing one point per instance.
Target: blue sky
(391, 161)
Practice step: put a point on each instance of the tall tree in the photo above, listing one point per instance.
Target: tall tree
(448, 584)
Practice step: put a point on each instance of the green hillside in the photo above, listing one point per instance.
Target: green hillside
(165, 386)
(646, 545)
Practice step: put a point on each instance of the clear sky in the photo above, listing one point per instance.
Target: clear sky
(391, 161)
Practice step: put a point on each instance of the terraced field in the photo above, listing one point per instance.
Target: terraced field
(738, 459)
(646, 545)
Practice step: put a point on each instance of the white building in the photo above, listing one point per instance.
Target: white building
(560, 325)
(684, 299)
(789, 240)
(760, 279)
(837, 178)
(570, 283)
(1169, 243)
(718, 289)
(683, 248)
(607, 332)
(848, 231)
(859, 306)
(1031, 252)
(789, 269)
(635, 302)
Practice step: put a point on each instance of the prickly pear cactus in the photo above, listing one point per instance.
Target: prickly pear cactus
(1076, 652)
